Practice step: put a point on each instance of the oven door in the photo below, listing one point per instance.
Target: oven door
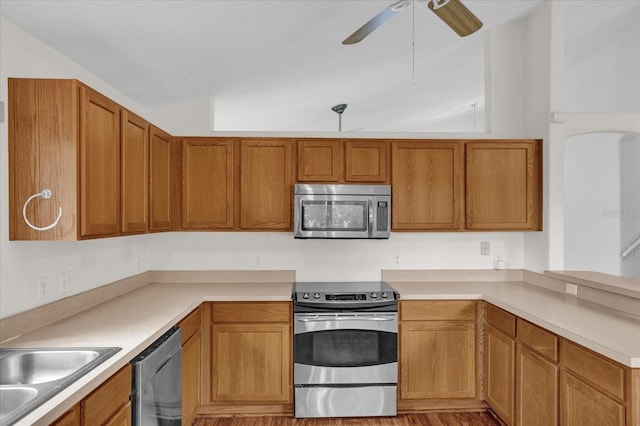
(345, 348)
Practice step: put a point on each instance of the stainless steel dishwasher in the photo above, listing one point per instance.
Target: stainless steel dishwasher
(156, 394)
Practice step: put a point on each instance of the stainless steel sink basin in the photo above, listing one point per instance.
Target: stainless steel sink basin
(39, 366)
(29, 377)
(12, 398)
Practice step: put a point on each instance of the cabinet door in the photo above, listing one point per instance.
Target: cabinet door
(251, 362)
(122, 417)
(159, 180)
(207, 183)
(135, 175)
(99, 165)
(426, 186)
(500, 359)
(43, 144)
(437, 359)
(100, 406)
(320, 160)
(536, 389)
(191, 372)
(367, 161)
(70, 418)
(582, 405)
(266, 184)
(503, 185)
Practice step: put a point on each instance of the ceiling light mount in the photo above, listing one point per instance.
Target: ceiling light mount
(339, 109)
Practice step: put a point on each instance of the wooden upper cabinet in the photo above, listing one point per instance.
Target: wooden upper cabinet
(320, 160)
(134, 173)
(426, 185)
(159, 180)
(503, 185)
(43, 153)
(367, 161)
(266, 184)
(207, 183)
(99, 164)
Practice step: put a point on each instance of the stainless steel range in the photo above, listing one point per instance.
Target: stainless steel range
(345, 349)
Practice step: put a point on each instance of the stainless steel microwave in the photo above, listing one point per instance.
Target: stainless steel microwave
(342, 211)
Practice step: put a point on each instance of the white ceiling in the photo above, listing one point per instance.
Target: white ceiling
(276, 64)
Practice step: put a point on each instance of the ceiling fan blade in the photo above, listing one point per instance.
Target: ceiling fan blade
(376, 21)
(456, 15)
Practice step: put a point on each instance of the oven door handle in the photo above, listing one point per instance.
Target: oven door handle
(326, 319)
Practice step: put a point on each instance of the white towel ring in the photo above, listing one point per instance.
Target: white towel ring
(45, 194)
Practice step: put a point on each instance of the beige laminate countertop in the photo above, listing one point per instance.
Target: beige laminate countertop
(134, 320)
(612, 333)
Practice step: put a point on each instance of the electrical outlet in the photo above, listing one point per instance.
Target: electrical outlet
(571, 289)
(42, 287)
(66, 279)
(257, 262)
(137, 263)
(396, 260)
(485, 248)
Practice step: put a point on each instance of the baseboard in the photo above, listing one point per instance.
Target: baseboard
(422, 405)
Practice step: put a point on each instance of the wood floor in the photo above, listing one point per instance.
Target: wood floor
(421, 419)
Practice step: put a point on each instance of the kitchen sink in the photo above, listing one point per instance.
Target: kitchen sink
(29, 377)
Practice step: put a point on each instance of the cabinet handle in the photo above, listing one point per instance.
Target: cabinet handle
(45, 194)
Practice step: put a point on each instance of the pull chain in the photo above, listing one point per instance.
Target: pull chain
(413, 42)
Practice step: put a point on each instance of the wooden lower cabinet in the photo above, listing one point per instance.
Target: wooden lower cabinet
(70, 418)
(536, 389)
(500, 376)
(191, 365)
(251, 362)
(249, 369)
(437, 353)
(122, 417)
(108, 405)
(595, 390)
(583, 405)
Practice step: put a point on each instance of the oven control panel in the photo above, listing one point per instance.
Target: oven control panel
(345, 297)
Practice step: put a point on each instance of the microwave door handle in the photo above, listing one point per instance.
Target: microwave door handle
(372, 219)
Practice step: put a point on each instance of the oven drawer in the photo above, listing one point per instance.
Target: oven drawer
(315, 375)
(356, 401)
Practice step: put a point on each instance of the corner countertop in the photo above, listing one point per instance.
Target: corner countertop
(135, 319)
(609, 332)
(132, 322)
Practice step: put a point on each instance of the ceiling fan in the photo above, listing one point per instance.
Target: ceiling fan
(452, 12)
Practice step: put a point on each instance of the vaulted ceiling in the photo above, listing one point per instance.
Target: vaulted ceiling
(276, 64)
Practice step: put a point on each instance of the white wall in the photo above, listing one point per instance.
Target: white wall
(92, 263)
(592, 203)
(525, 82)
(331, 260)
(630, 203)
(98, 262)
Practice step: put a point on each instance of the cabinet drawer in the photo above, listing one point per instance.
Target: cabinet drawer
(425, 310)
(251, 312)
(501, 320)
(594, 369)
(105, 401)
(538, 339)
(190, 324)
